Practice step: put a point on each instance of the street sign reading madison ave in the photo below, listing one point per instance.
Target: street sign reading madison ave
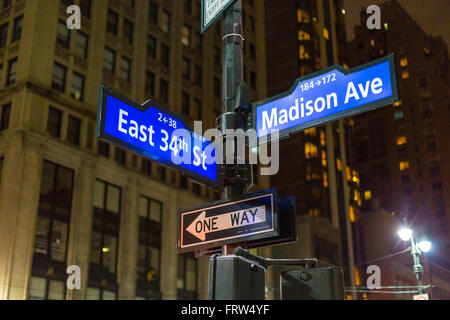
(212, 10)
(157, 133)
(325, 96)
(251, 218)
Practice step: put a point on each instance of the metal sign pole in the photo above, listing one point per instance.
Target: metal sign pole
(236, 176)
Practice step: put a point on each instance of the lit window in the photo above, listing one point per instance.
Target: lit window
(356, 195)
(302, 16)
(401, 141)
(404, 165)
(357, 277)
(302, 53)
(325, 179)
(303, 36)
(372, 42)
(326, 34)
(405, 75)
(367, 195)
(343, 11)
(310, 150)
(397, 104)
(322, 138)
(404, 62)
(351, 211)
(339, 164)
(186, 35)
(349, 173)
(310, 132)
(386, 26)
(324, 158)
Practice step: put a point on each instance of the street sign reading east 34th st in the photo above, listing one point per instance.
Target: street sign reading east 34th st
(325, 96)
(211, 11)
(156, 133)
(254, 217)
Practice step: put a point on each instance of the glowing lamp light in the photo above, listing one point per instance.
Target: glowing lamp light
(424, 245)
(405, 234)
(105, 250)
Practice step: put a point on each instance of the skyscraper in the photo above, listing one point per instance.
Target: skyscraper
(407, 144)
(315, 167)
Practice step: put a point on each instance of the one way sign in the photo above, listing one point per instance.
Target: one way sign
(227, 222)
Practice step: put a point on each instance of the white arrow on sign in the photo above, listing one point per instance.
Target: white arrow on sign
(203, 225)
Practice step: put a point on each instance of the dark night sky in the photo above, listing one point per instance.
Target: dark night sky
(432, 15)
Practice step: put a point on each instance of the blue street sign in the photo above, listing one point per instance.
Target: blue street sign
(156, 133)
(325, 96)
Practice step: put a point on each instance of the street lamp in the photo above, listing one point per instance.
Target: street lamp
(423, 246)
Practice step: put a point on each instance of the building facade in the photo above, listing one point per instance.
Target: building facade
(67, 198)
(407, 143)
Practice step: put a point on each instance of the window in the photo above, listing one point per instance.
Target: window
(184, 182)
(3, 34)
(406, 179)
(399, 115)
(6, 4)
(54, 122)
(5, 113)
(164, 22)
(198, 75)
(77, 90)
(161, 173)
(401, 141)
(74, 130)
(153, 12)
(188, 6)
(59, 77)
(109, 61)
(164, 90)
(404, 62)
(104, 241)
(165, 55)
(187, 277)
(197, 109)
(310, 150)
(150, 84)
(186, 69)
(12, 72)
(81, 45)
(125, 69)
(405, 75)
(112, 22)
(63, 35)
(17, 30)
(185, 104)
(128, 31)
(151, 47)
(423, 82)
(146, 167)
(404, 165)
(149, 249)
(85, 8)
(52, 233)
(437, 186)
(186, 35)
(103, 149)
(120, 156)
